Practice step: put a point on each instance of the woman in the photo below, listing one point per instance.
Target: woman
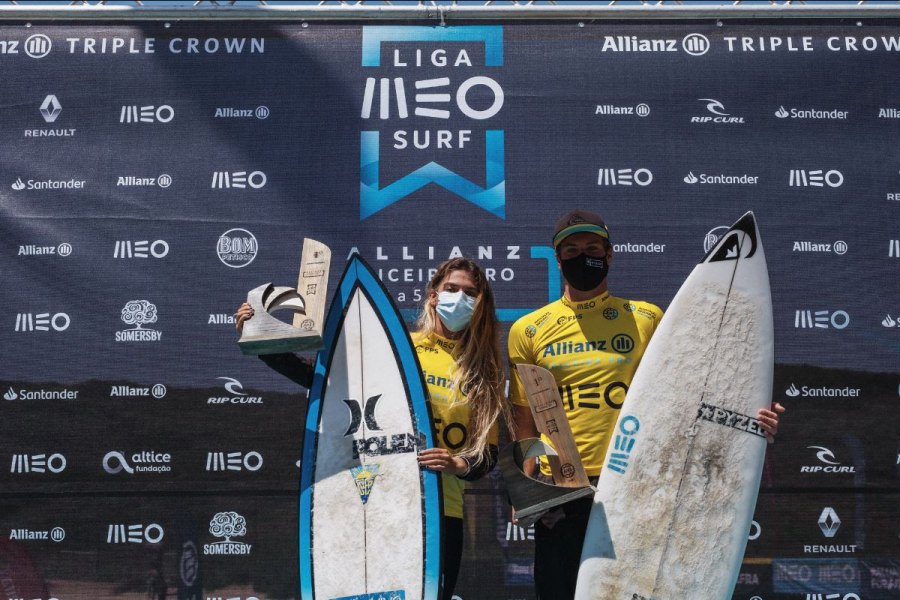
(457, 340)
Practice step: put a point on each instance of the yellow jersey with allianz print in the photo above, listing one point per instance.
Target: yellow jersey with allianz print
(449, 409)
(592, 348)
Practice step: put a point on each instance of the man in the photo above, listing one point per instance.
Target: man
(574, 338)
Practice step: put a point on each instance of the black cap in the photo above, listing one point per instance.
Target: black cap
(576, 221)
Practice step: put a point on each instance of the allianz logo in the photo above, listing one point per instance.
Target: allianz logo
(839, 247)
(260, 112)
(139, 313)
(719, 115)
(234, 461)
(236, 394)
(890, 321)
(811, 113)
(220, 319)
(641, 110)
(514, 533)
(28, 322)
(223, 180)
(827, 461)
(118, 391)
(64, 249)
(146, 461)
(57, 534)
(695, 44)
(163, 181)
(146, 114)
(721, 179)
(38, 463)
(23, 394)
(141, 249)
(821, 319)
(36, 46)
(815, 178)
(805, 391)
(134, 534)
(627, 176)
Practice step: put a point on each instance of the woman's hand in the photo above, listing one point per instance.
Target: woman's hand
(440, 460)
(243, 313)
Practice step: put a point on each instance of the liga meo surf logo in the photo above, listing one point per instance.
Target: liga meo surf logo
(397, 99)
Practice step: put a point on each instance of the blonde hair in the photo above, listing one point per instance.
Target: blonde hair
(479, 365)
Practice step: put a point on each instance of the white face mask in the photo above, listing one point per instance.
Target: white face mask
(455, 310)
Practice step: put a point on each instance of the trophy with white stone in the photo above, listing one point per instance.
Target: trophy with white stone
(264, 334)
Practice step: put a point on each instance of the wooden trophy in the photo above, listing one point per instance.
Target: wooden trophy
(530, 497)
(264, 334)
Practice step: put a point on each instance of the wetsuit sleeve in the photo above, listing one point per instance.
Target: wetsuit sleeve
(296, 368)
(520, 352)
(489, 459)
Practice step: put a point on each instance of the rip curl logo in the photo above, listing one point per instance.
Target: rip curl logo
(389, 100)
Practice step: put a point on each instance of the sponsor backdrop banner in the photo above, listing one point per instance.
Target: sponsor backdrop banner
(153, 173)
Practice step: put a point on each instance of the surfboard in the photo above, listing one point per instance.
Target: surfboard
(675, 498)
(369, 517)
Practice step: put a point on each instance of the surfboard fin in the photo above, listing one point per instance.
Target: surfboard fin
(264, 334)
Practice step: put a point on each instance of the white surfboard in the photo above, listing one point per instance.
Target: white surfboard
(676, 496)
(370, 518)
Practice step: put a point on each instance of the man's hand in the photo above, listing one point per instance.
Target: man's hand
(768, 419)
(243, 313)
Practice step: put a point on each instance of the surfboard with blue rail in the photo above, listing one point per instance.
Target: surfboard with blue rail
(370, 518)
(676, 496)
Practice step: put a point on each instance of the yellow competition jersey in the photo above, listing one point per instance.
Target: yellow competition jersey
(449, 408)
(593, 349)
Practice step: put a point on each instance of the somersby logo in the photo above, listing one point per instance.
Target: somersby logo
(38, 463)
(391, 84)
(624, 176)
(815, 178)
(139, 313)
(227, 525)
(821, 319)
(146, 114)
(29, 322)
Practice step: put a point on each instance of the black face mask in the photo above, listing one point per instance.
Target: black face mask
(584, 272)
